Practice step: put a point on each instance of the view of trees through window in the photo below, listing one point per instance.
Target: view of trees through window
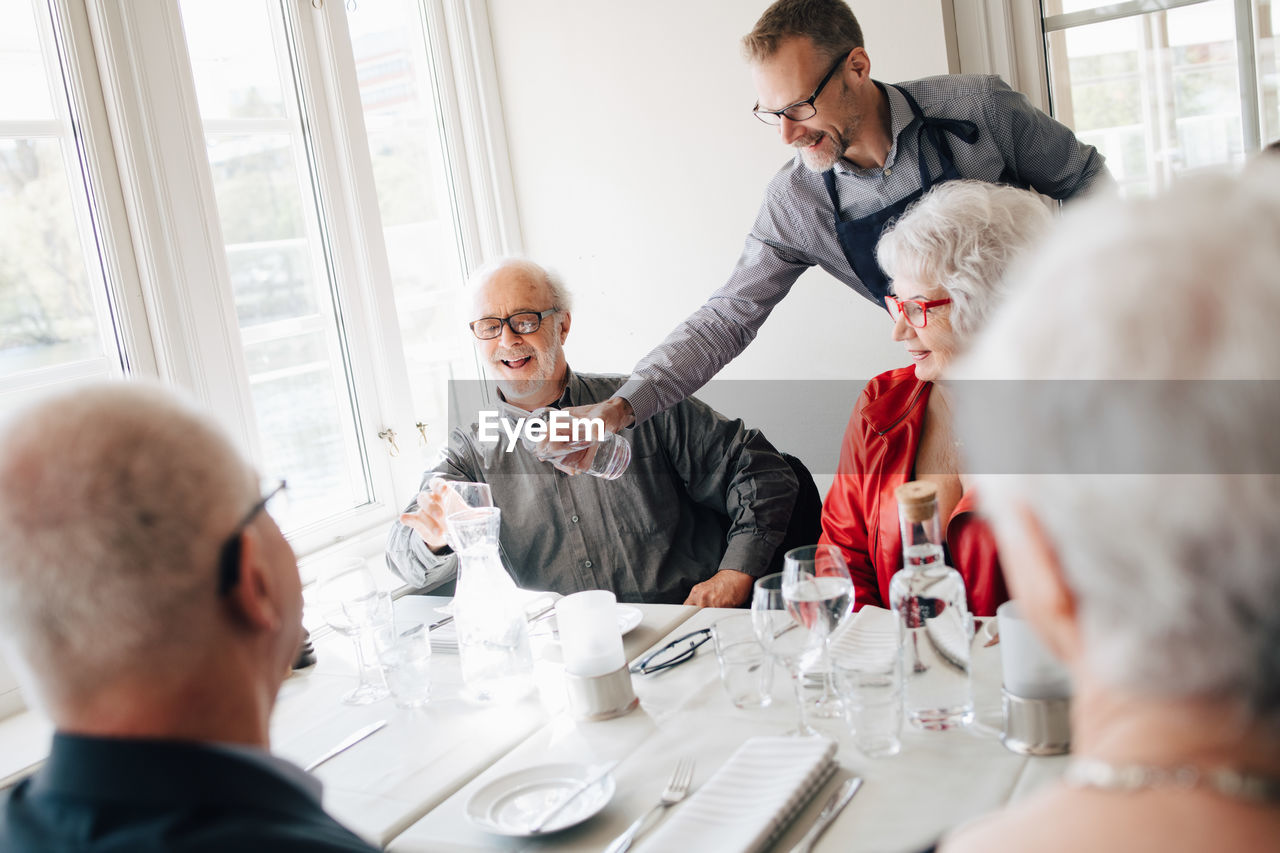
(1160, 92)
(54, 317)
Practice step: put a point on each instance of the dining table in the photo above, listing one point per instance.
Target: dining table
(407, 786)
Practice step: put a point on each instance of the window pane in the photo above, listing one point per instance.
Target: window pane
(412, 180)
(293, 347)
(1157, 93)
(1268, 52)
(53, 298)
(25, 93)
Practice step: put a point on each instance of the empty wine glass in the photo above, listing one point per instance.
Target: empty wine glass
(780, 636)
(353, 605)
(819, 593)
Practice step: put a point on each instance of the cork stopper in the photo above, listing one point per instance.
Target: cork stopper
(917, 500)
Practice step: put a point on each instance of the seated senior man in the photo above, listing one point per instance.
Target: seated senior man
(153, 608)
(655, 534)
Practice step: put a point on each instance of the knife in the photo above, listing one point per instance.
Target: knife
(348, 742)
(838, 801)
(591, 782)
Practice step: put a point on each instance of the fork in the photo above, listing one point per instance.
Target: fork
(677, 789)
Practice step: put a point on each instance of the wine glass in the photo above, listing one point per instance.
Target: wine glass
(819, 593)
(353, 605)
(780, 636)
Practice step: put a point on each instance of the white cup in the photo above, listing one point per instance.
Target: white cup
(1030, 670)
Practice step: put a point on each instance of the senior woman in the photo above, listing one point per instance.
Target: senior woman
(947, 258)
(1139, 519)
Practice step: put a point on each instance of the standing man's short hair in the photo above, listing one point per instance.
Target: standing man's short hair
(830, 24)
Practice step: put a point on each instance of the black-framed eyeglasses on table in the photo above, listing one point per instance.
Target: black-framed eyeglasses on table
(674, 653)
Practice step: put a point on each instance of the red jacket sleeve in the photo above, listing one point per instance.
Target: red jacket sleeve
(973, 548)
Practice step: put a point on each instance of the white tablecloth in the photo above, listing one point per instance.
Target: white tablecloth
(906, 803)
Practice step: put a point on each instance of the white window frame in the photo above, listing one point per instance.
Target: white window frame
(1007, 37)
(176, 312)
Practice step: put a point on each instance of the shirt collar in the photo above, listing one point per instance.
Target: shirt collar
(899, 117)
(286, 769)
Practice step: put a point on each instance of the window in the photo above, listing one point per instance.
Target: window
(56, 317)
(1162, 87)
(268, 203)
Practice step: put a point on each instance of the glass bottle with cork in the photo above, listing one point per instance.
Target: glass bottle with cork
(935, 624)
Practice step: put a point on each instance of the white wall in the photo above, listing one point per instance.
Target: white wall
(638, 169)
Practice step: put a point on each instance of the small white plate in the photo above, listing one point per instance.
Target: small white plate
(510, 804)
(629, 618)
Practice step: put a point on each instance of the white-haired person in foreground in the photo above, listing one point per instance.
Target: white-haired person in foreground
(947, 257)
(1138, 519)
(154, 608)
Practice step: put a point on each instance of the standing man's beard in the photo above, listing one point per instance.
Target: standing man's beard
(832, 148)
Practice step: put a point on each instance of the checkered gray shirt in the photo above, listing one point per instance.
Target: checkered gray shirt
(1017, 144)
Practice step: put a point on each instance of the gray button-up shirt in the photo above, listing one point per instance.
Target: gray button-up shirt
(795, 228)
(702, 493)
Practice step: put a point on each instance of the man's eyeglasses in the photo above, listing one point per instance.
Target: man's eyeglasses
(229, 555)
(916, 310)
(673, 653)
(800, 110)
(522, 323)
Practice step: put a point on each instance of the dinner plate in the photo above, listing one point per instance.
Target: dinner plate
(511, 804)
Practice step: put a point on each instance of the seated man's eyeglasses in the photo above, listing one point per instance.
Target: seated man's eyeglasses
(229, 556)
(673, 653)
(800, 110)
(522, 323)
(917, 310)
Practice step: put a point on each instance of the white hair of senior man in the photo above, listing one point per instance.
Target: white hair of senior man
(962, 237)
(561, 298)
(114, 501)
(1177, 574)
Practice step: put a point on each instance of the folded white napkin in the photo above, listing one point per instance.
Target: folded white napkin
(750, 800)
(869, 640)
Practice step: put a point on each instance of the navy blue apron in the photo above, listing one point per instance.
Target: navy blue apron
(858, 237)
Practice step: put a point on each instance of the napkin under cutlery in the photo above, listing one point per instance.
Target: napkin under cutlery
(750, 800)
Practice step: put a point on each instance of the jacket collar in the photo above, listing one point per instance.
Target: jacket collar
(138, 770)
(903, 394)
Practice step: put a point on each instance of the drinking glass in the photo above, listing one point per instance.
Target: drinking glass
(780, 635)
(819, 593)
(459, 496)
(353, 606)
(746, 670)
(405, 654)
(872, 692)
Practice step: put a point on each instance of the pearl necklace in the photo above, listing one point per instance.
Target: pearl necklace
(1229, 782)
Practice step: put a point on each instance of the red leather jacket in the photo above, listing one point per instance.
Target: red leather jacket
(860, 514)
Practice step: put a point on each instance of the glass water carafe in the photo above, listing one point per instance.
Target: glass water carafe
(935, 626)
(493, 635)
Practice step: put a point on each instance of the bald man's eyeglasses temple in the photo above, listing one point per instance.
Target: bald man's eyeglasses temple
(229, 556)
(800, 110)
(523, 323)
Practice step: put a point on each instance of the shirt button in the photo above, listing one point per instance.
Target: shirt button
(587, 563)
(888, 170)
(574, 519)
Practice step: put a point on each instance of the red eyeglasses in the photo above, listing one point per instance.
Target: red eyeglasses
(915, 310)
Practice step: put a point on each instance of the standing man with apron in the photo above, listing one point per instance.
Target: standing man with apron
(865, 152)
